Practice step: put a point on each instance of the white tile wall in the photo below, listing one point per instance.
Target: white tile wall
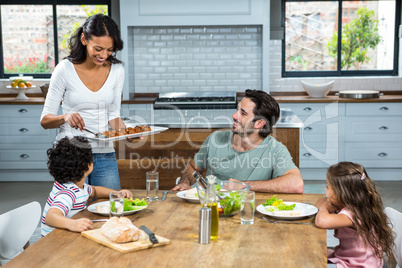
(211, 58)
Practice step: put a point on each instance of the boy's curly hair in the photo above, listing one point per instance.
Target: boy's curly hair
(69, 159)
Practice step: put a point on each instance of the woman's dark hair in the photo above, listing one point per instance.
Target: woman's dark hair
(355, 191)
(97, 25)
(69, 159)
(266, 108)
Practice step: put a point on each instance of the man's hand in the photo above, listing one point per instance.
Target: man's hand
(182, 186)
(80, 225)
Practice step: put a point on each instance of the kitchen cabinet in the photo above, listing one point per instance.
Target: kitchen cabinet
(321, 139)
(366, 133)
(23, 143)
(373, 135)
(169, 152)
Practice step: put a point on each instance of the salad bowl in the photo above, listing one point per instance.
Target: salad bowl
(231, 195)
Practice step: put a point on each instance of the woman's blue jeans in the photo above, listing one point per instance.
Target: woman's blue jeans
(105, 172)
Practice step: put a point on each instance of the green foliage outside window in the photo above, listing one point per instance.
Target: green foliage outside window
(36, 65)
(358, 36)
(98, 9)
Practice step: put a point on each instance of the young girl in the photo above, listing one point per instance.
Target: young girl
(353, 207)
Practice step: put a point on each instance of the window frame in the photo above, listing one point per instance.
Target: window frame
(54, 4)
(339, 72)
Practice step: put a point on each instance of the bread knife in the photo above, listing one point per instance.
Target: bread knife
(150, 234)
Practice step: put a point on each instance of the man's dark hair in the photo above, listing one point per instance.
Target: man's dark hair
(69, 159)
(97, 25)
(266, 108)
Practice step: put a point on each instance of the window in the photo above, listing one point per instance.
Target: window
(337, 37)
(28, 43)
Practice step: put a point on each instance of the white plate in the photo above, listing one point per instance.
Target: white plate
(20, 87)
(92, 208)
(182, 194)
(154, 130)
(309, 210)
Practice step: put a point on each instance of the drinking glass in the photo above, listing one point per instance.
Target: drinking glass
(248, 208)
(116, 203)
(152, 178)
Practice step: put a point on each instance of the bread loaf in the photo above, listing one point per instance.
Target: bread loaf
(120, 230)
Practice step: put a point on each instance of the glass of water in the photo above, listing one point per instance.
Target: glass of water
(248, 208)
(116, 203)
(152, 178)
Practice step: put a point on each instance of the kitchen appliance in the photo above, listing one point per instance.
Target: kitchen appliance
(196, 100)
(359, 94)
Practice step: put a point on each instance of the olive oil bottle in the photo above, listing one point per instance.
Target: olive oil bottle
(211, 202)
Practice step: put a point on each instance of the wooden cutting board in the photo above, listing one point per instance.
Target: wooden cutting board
(96, 236)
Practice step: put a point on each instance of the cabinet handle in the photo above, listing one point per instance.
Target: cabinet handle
(383, 128)
(307, 154)
(24, 129)
(307, 109)
(384, 108)
(308, 128)
(24, 156)
(23, 110)
(382, 154)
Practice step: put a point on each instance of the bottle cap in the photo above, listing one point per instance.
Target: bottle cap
(211, 179)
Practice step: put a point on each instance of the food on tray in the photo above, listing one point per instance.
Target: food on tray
(126, 131)
(134, 204)
(192, 193)
(20, 83)
(102, 208)
(274, 204)
(120, 230)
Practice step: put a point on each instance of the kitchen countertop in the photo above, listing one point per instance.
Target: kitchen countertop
(293, 97)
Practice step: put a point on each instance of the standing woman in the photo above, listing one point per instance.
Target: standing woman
(89, 85)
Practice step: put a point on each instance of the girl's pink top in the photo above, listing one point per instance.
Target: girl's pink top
(351, 251)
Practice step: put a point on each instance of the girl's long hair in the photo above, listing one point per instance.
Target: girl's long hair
(97, 25)
(356, 191)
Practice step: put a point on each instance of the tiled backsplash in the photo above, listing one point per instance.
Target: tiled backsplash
(203, 58)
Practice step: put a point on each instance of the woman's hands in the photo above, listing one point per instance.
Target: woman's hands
(74, 120)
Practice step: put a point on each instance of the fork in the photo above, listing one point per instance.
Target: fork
(283, 221)
(164, 195)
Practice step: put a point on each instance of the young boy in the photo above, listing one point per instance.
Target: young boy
(70, 162)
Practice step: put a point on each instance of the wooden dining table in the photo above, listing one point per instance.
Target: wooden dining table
(262, 244)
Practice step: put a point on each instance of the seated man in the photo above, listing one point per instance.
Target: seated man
(248, 153)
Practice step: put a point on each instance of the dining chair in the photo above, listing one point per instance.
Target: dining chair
(16, 227)
(396, 220)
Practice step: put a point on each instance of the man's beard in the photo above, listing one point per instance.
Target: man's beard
(243, 132)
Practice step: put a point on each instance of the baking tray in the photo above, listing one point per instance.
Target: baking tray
(154, 130)
(359, 94)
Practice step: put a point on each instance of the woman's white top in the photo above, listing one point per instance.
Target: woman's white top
(95, 108)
